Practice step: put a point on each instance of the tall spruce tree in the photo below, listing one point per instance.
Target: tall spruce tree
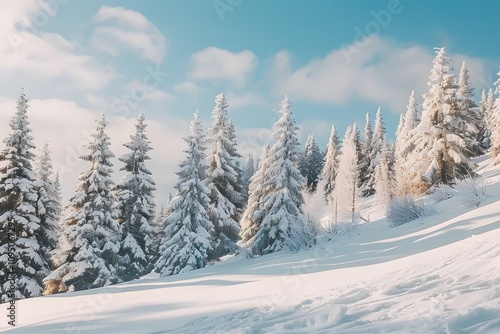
(89, 238)
(283, 225)
(224, 183)
(135, 209)
(48, 205)
(494, 121)
(254, 212)
(439, 155)
(467, 119)
(21, 259)
(403, 174)
(366, 156)
(331, 166)
(311, 163)
(248, 172)
(186, 240)
(346, 190)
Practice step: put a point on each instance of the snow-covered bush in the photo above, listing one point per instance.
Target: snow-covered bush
(441, 192)
(404, 209)
(472, 190)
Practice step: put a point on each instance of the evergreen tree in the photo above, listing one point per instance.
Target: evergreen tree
(403, 175)
(378, 145)
(346, 190)
(383, 179)
(21, 260)
(494, 121)
(484, 135)
(283, 225)
(248, 172)
(89, 238)
(331, 165)
(467, 119)
(311, 163)
(48, 205)
(366, 156)
(135, 208)
(186, 239)
(254, 212)
(224, 183)
(159, 228)
(439, 155)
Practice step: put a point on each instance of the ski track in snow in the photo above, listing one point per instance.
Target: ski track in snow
(439, 274)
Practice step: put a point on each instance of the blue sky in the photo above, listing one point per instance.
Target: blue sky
(336, 60)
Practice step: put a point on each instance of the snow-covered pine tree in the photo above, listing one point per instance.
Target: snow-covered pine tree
(494, 121)
(283, 225)
(330, 166)
(135, 208)
(439, 155)
(311, 164)
(223, 183)
(403, 177)
(490, 106)
(366, 156)
(20, 256)
(48, 205)
(186, 240)
(235, 156)
(248, 172)
(383, 178)
(346, 190)
(57, 195)
(468, 121)
(159, 228)
(89, 238)
(378, 144)
(254, 212)
(484, 135)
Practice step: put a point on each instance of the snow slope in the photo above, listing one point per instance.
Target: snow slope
(440, 274)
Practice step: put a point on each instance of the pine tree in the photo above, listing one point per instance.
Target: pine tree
(283, 225)
(378, 145)
(311, 164)
(403, 175)
(20, 256)
(484, 135)
(468, 121)
(135, 207)
(330, 166)
(254, 212)
(494, 121)
(224, 183)
(366, 156)
(490, 113)
(383, 179)
(48, 205)
(248, 172)
(346, 190)
(186, 240)
(159, 228)
(439, 155)
(89, 238)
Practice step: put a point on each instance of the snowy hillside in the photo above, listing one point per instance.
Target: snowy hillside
(440, 274)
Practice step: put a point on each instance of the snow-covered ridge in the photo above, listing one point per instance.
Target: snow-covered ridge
(439, 274)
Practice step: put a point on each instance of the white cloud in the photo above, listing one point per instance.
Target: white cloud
(154, 94)
(46, 62)
(129, 29)
(236, 100)
(218, 64)
(383, 73)
(187, 87)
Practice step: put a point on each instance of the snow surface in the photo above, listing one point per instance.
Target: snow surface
(439, 274)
